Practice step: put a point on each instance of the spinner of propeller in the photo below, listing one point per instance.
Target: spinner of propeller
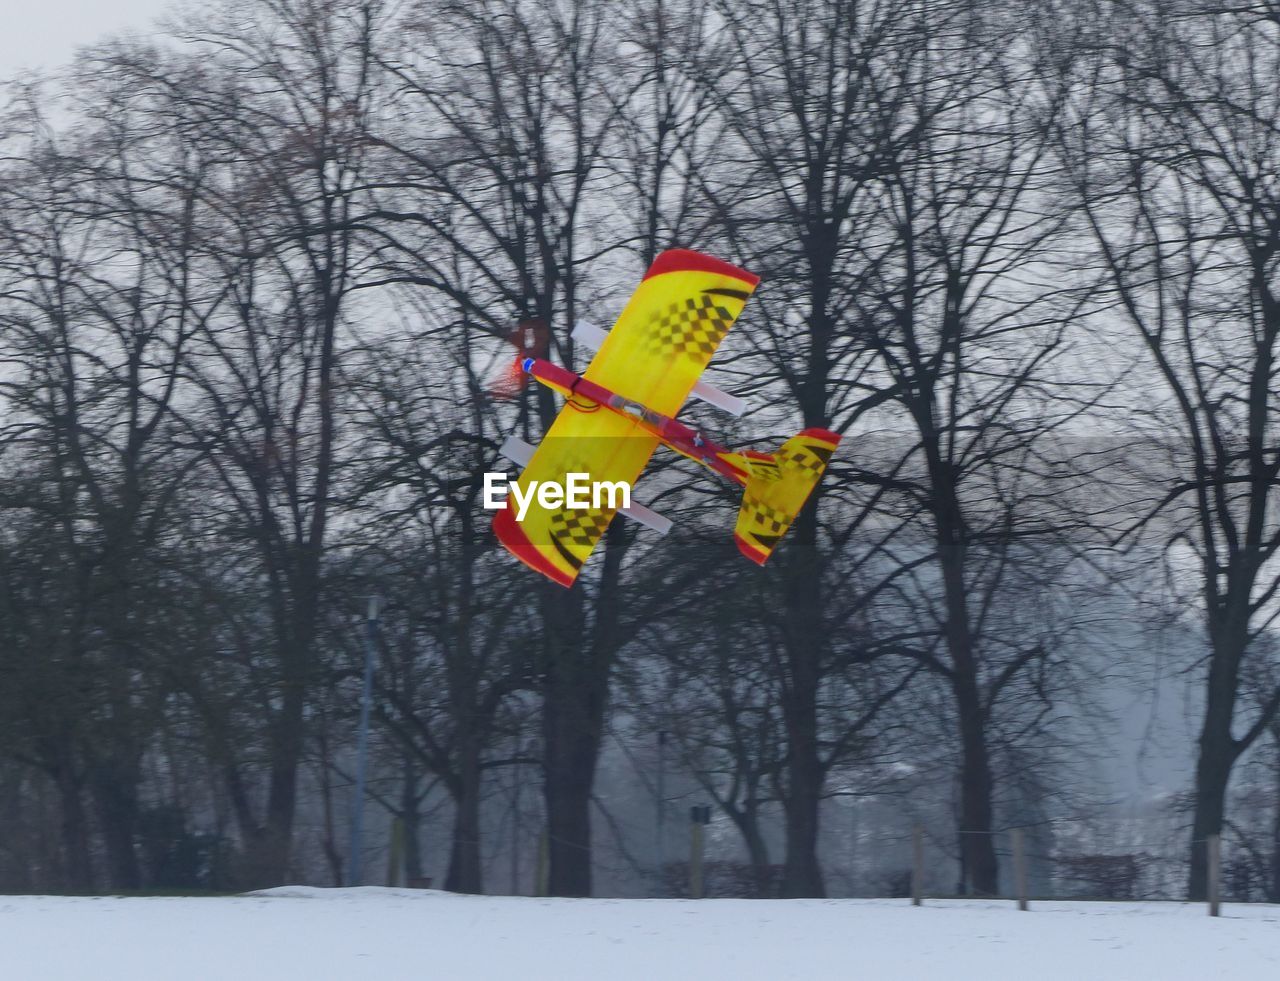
(532, 339)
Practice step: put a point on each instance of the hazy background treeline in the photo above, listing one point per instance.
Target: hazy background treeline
(255, 281)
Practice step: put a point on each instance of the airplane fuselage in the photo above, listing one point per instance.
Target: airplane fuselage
(672, 433)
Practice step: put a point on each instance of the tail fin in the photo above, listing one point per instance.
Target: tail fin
(777, 489)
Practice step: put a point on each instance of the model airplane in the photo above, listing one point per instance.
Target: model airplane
(623, 406)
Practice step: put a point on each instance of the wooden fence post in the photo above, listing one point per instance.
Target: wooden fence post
(699, 817)
(1020, 868)
(695, 860)
(395, 854)
(543, 869)
(1215, 874)
(917, 865)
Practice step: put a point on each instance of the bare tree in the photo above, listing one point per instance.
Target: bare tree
(906, 202)
(715, 679)
(274, 102)
(98, 328)
(453, 655)
(815, 98)
(512, 111)
(1175, 146)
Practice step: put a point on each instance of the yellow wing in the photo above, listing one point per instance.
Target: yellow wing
(662, 342)
(588, 439)
(670, 329)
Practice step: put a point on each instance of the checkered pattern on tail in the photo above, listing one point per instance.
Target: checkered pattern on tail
(762, 517)
(805, 457)
(775, 494)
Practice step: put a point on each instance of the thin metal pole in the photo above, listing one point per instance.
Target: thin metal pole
(362, 746)
(917, 865)
(542, 874)
(660, 843)
(1215, 875)
(395, 854)
(696, 827)
(695, 860)
(853, 847)
(1020, 868)
(515, 824)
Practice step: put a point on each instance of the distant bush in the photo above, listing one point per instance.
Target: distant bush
(1104, 876)
(723, 880)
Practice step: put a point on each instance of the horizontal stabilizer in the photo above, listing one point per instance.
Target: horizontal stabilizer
(779, 485)
(588, 335)
(520, 453)
(644, 516)
(721, 400)
(516, 450)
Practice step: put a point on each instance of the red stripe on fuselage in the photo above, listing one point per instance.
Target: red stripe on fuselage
(674, 434)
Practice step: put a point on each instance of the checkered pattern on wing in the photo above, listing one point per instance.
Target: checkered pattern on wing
(770, 520)
(568, 463)
(694, 326)
(580, 527)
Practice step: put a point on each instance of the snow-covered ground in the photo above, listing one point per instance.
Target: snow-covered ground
(302, 934)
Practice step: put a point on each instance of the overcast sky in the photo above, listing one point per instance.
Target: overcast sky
(43, 34)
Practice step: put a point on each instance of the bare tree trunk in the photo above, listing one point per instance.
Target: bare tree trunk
(329, 843)
(464, 873)
(575, 694)
(806, 775)
(1217, 755)
(114, 785)
(571, 745)
(411, 814)
(1273, 892)
(747, 820)
(78, 874)
(978, 868)
(1183, 152)
(758, 853)
(1213, 773)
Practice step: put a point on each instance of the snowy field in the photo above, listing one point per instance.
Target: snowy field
(302, 934)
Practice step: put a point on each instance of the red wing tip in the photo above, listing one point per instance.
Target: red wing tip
(686, 260)
(750, 551)
(823, 434)
(515, 541)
